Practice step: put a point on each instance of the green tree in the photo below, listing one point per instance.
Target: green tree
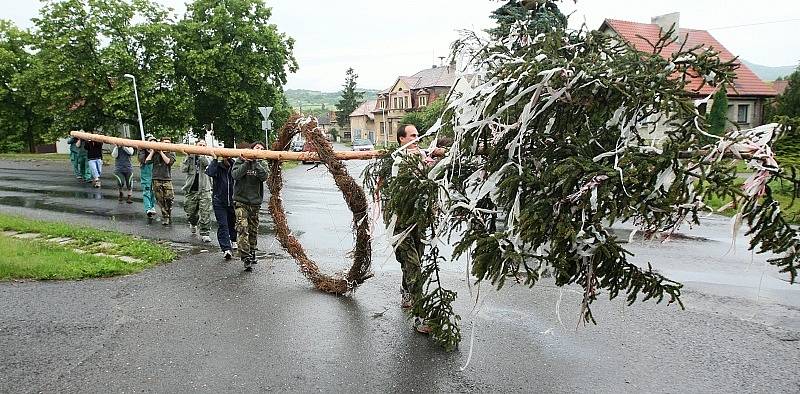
(83, 49)
(350, 98)
(548, 157)
(424, 118)
(718, 116)
(788, 104)
(234, 60)
(21, 122)
(534, 15)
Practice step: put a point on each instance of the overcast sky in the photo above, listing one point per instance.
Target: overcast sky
(384, 39)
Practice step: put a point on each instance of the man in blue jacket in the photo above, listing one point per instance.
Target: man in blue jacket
(222, 185)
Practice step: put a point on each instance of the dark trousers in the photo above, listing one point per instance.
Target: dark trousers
(226, 230)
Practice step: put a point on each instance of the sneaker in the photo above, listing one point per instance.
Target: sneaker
(165, 221)
(253, 259)
(120, 197)
(129, 200)
(150, 214)
(421, 326)
(227, 255)
(234, 245)
(206, 239)
(192, 229)
(248, 265)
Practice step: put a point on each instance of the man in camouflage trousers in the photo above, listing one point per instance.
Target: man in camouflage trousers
(410, 250)
(248, 194)
(162, 180)
(197, 194)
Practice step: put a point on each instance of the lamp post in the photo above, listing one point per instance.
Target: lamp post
(138, 110)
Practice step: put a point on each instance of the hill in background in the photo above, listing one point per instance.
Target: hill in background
(768, 73)
(316, 102)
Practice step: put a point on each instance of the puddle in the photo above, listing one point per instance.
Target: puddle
(38, 203)
(624, 234)
(88, 194)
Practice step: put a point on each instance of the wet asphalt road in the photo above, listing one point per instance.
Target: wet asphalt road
(202, 324)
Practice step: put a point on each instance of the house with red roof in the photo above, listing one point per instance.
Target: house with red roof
(746, 96)
(378, 120)
(780, 86)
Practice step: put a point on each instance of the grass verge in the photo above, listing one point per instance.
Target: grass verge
(34, 156)
(40, 259)
(781, 192)
(26, 259)
(288, 165)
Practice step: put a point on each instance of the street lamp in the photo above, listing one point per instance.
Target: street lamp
(138, 110)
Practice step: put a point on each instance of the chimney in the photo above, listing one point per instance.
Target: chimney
(667, 21)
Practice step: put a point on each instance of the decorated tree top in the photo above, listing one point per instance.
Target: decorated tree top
(553, 146)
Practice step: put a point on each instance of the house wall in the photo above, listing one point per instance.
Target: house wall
(755, 112)
(361, 126)
(657, 129)
(392, 122)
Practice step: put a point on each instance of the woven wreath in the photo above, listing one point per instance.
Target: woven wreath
(353, 194)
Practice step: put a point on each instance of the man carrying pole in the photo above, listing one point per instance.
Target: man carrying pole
(162, 180)
(248, 194)
(197, 194)
(146, 179)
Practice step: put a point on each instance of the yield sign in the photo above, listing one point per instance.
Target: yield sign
(265, 111)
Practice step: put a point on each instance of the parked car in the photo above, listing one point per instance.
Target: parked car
(309, 147)
(297, 146)
(360, 145)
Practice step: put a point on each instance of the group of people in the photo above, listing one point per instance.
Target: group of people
(232, 189)
(87, 160)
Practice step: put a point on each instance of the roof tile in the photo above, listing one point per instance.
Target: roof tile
(365, 109)
(642, 36)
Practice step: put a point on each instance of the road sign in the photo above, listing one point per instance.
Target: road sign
(265, 111)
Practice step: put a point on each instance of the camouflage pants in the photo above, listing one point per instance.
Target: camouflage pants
(164, 196)
(409, 254)
(197, 206)
(246, 227)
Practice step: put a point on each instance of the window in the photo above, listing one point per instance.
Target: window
(423, 101)
(405, 102)
(394, 102)
(381, 104)
(383, 127)
(743, 109)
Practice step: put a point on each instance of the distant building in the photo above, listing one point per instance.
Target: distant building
(747, 95)
(324, 122)
(378, 120)
(362, 122)
(780, 86)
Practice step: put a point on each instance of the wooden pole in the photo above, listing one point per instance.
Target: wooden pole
(286, 155)
(226, 152)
